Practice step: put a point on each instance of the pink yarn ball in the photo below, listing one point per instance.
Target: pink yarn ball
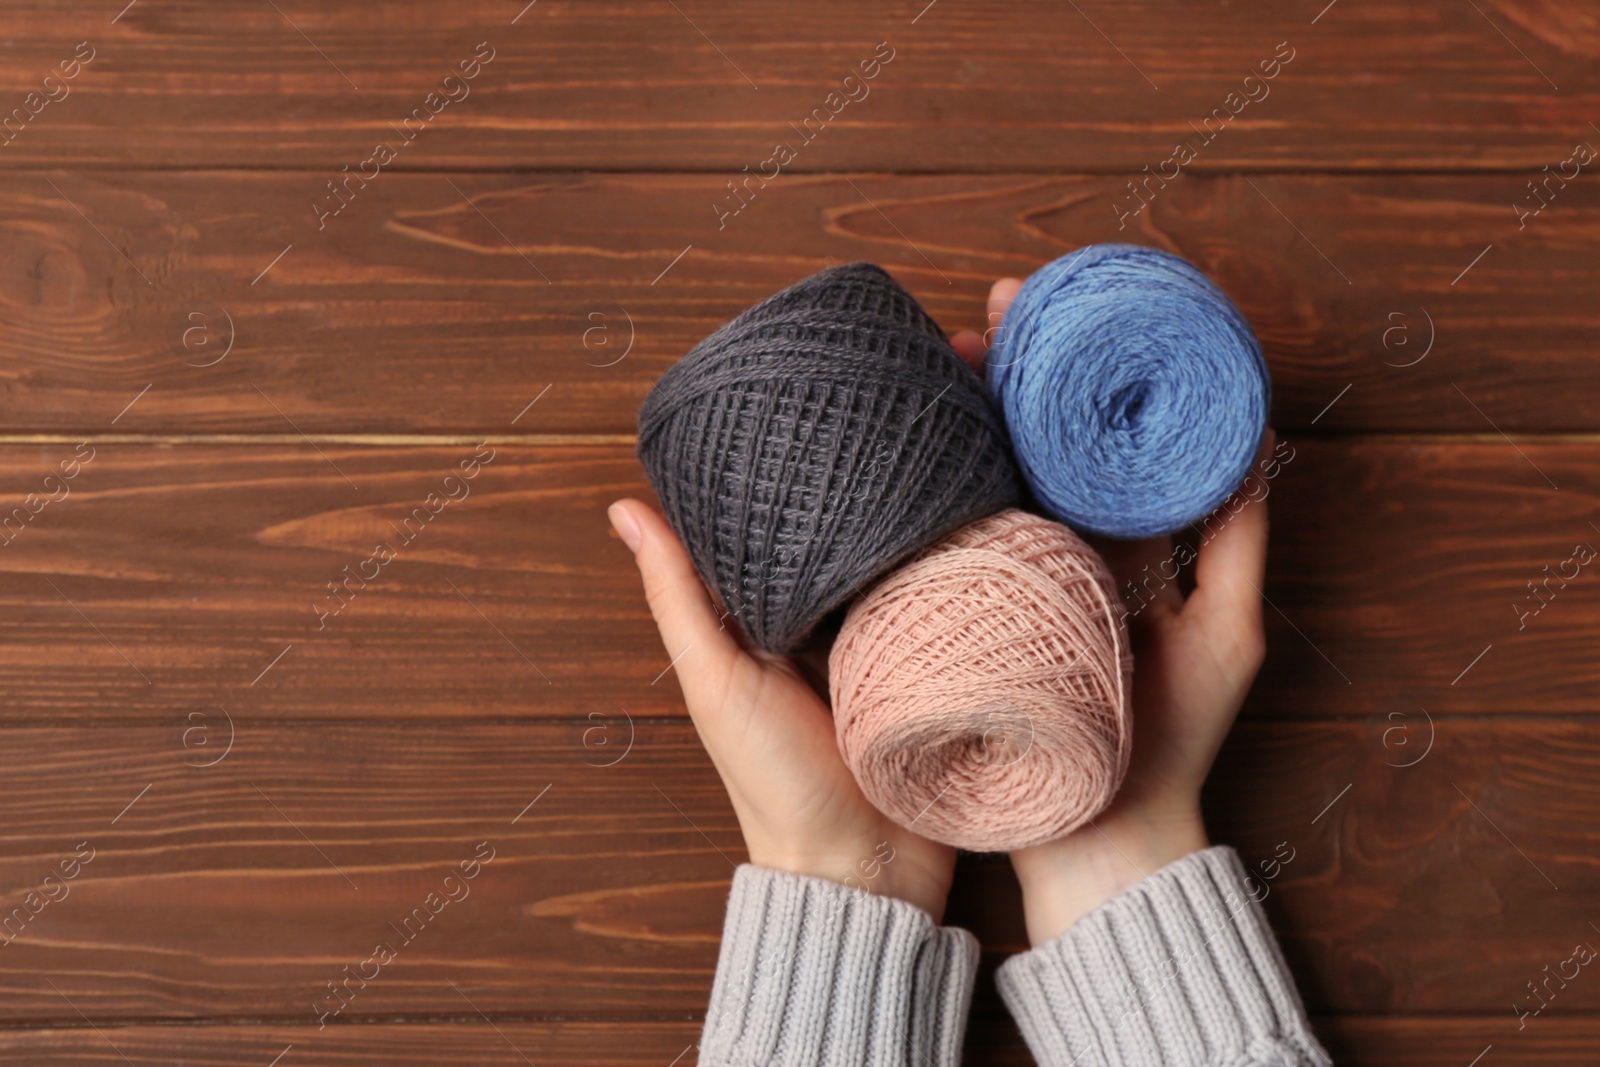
(981, 691)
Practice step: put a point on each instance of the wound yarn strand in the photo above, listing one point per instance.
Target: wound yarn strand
(1134, 390)
(807, 446)
(981, 691)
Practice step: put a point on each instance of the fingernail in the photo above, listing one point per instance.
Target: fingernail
(626, 527)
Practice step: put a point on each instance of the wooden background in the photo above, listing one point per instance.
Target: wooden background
(262, 398)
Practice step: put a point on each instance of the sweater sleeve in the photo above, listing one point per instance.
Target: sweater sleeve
(1179, 970)
(817, 974)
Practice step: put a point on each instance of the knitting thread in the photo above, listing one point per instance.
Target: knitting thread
(816, 440)
(1134, 390)
(981, 691)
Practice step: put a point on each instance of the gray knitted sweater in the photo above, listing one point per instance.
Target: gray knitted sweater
(1180, 969)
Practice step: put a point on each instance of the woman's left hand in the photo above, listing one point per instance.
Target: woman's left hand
(771, 739)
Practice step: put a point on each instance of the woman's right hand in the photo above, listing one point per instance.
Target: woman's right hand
(1194, 661)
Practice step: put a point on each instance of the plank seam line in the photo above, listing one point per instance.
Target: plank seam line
(1527, 718)
(572, 440)
(359, 439)
(1212, 170)
(293, 1022)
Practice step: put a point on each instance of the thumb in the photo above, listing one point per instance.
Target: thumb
(1231, 570)
(697, 642)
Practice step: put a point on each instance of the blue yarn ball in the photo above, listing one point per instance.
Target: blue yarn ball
(1134, 390)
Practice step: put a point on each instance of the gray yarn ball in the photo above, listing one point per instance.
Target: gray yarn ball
(819, 438)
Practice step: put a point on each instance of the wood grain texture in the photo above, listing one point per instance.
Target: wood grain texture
(972, 86)
(513, 600)
(269, 391)
(1355, 1041)
(240, 889)
(172, 578)
(447, 304)
(1399, 577)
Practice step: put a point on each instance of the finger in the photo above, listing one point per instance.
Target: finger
(1146, 572)
(1001, 294)
(969, 346)
(693, 632)
(1231, 570)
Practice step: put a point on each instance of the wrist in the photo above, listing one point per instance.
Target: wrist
(878, 869)
(1066, 879)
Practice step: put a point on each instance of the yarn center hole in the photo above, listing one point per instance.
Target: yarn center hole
(1126, 404)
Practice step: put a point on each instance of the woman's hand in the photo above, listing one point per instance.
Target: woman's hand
(1194, 661)
(771, 739)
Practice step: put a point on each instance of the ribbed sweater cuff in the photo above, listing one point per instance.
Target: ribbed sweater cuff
(813, 973)
(1181, 969)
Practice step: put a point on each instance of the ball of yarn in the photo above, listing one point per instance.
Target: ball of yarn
(1134, 390)
(981, 691)
(816, 440)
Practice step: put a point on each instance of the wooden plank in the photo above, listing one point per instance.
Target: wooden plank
(1399, 578)
(418, 315)
(1455, 1041)
(635, 85)
(1378, 299)
(250, 578)
(175, 578)
(504, 1043)
(241, 889)
(1365, 1041)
